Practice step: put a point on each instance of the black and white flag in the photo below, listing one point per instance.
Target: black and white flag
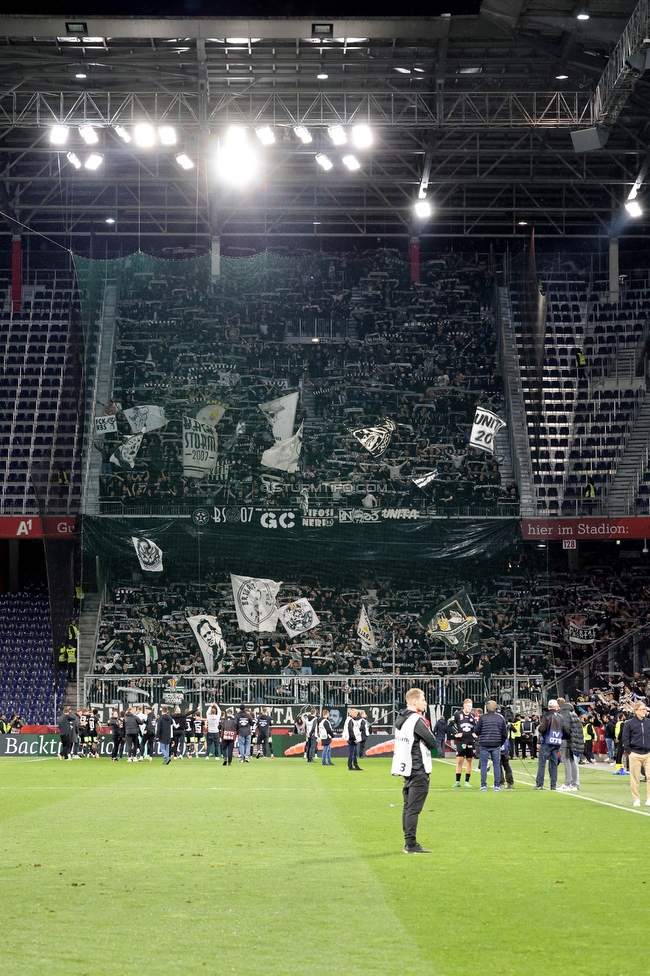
(579, 634)
(199, 448)
(425, 479)
(281, 414)
(124, 456)
(150, 556)
(255, 603)
(285, 454)
(145, 418)
(298, 617)
(453, 622)
(375, 439)
(484, 430)
(207, 631)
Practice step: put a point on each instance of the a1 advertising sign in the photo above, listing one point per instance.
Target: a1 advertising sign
(15, 527)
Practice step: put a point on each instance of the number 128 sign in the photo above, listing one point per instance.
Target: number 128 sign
(569, 543)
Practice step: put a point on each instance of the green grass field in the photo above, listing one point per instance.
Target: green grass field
(280, 868)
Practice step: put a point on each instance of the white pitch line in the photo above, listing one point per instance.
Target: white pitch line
(580, 796)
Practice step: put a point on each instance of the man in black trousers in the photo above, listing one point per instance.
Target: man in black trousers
(64, 722)
(164, 733)
(412, 760)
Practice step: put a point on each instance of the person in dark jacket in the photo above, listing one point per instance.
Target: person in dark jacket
(441, 731)
(164, 733)
(566, 747)
(575, 750)
(149, 736)
(117, 731)
(228, 735)
(412, 760)
(610, 735)
(491, 731)
(132, 725)
(551, 733)
(66, 728)
(244, 722)
(636, 742)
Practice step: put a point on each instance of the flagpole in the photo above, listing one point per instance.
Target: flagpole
(514, 676)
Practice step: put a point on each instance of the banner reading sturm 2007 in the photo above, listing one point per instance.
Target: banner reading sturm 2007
(199, 448)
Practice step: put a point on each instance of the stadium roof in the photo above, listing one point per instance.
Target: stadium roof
(475, 110)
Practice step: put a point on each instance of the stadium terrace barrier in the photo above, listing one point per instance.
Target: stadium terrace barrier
(384, 691)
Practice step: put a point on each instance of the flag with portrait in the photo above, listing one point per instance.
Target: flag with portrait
(209, 637)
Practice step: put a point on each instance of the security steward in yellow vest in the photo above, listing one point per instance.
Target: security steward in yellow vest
(63, 656)
(72, 662)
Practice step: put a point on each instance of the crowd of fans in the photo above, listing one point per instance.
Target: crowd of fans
(356, 339)
(543, 614)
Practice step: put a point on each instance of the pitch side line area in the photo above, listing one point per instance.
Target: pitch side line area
(577, 796)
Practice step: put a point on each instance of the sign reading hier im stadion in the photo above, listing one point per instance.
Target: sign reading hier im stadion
(540, 529)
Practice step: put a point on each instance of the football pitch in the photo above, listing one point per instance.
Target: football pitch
(286, 868)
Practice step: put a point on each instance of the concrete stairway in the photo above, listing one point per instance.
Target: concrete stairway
(620, 499)
(86, 650)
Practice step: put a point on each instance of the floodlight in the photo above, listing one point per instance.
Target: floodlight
(303, 133)
(634, 208)
(94, 161)
(81, 75)
(362, 136)
(74, 159)
(110, 220)
(184, 161)
(265, 135)
(561, 77)
(582, 16)
(324, 161)
(403, 71)
(351, 162)
(59, 135)
(237, 160)
(122, 133)
(322, 76)
(144, 135)
(337, 135)
(422, 209)
(167, 135)
(88, 134)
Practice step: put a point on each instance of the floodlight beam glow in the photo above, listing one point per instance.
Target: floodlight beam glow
(362, 136)
(144, 135)
(59, 135)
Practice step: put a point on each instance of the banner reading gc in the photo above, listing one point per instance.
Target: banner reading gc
(199, 448)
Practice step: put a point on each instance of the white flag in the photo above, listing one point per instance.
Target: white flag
(105, 425)
(199, 448)
(281, 414)
(364, 629)
(145, 418)
(425, 479)
(284, 455)
(375, 439)
(124, 456)
(211, 412)
(210, 639)
(149, 555)
(298, 617)
(255, 602)
(484, 429)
